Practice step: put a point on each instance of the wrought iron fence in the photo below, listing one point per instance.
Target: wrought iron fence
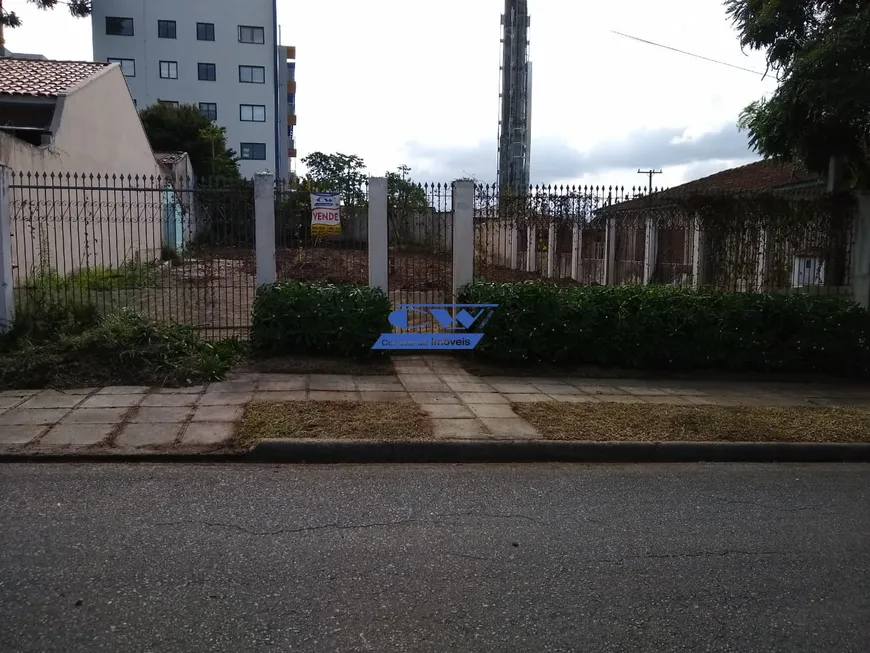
(169, 249)
(794, 240)
(331, 258)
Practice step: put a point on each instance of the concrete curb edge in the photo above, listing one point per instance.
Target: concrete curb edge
(481, 451)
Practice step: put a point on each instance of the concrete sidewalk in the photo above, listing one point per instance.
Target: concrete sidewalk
(125, 419)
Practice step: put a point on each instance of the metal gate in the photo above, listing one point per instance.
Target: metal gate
(420, 238)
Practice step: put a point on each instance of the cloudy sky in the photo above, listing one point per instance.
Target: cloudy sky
(418, 84)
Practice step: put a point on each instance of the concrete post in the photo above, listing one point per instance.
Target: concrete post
(698, 254)
(610, 252)
(860, 259)
(379, 253)
(513, 235)
(264, 227)
(532, 248)
(576, 250)
(650, 250)
(463, 235)
(552, 232)
(7, 296)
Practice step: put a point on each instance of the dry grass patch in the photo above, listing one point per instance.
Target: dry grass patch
(665, 423)
(345, 420)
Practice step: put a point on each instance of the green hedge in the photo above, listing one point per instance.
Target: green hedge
(322, 319)
(660, 327)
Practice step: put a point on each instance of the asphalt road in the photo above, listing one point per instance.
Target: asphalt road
(527, 558)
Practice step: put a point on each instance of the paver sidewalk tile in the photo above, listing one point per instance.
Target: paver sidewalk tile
(643, 390)
(384, 395)
(459, 428)
(20, 433)
(218, 414)
(112, 401)
(598, 389)
(165, 415)
(20, 416)
(392, 385)
(334, 382)
(283, 386)
(435, 398)
(577, 399)
(620, 399)
(18, 393)
(492, 410)
(144, 435)
(222, 398)
(124, 390)
(209, 432)
(513, 388)
(513, 427)
(557, 388)
(9, 402)
(453, 377)
(326, 395)
(528, 398)
(469, 387)
(77, 435)
(278, 397)
(95, 416)
(447, 411)
(232, 386)
(186, 390)
(482, 398)
(169, 400)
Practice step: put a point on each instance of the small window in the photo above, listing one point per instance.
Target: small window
(253, 151)
(166, 29)
(249, 34)
(168, 103)
(116, 26)
(209, 110)
(168, 70)
(128, 66)
(252, 74)
(205, 31)
(252, 113)
(207, 72)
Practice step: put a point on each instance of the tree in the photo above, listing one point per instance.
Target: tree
(337, 173)
(185, 128)
(404, 196)
(820, 52)
(78, 8)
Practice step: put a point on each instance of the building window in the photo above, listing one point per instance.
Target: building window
(119, 26)
(253, 151)
(209, 110)
(249, 34)
(205, 31)
(128, 66)
(252, 74)
(168, 70)
(168, 103)
(252, 113)
(166, 29)
(207, 72)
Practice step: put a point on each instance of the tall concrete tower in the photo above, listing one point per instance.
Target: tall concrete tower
(515, 122)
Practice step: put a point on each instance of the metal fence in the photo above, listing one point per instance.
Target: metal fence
(172, 250)
(797, 240)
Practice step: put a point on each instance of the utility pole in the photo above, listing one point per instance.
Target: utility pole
(650, 173)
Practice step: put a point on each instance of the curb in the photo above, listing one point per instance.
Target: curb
(479, 451)
(527, 451)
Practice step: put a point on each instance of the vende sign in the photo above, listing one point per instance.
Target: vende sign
(325, 213)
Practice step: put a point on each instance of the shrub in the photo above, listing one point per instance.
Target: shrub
(325, 319)
(660, 327)
(122, 348)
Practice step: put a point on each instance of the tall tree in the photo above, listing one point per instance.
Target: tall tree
(820, 52)
(337, 173)
(78, 8)
(404, 196)
(185, 128)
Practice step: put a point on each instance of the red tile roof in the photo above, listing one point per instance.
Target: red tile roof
(43, 77)
(761, 175)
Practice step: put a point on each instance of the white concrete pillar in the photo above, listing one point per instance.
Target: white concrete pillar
(552, 232)
(513, 235)
(463, 235)
(379, 253)
(532, 249)
(698, 254)
(576, 250)
(264, 227)
(610, 252)
(860, 258)
(7, 296)
(650, 250)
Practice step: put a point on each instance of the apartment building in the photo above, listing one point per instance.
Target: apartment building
(220, 55)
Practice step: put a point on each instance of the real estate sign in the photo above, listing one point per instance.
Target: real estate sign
(325, 214)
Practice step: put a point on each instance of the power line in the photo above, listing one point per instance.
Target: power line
(691, 54)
